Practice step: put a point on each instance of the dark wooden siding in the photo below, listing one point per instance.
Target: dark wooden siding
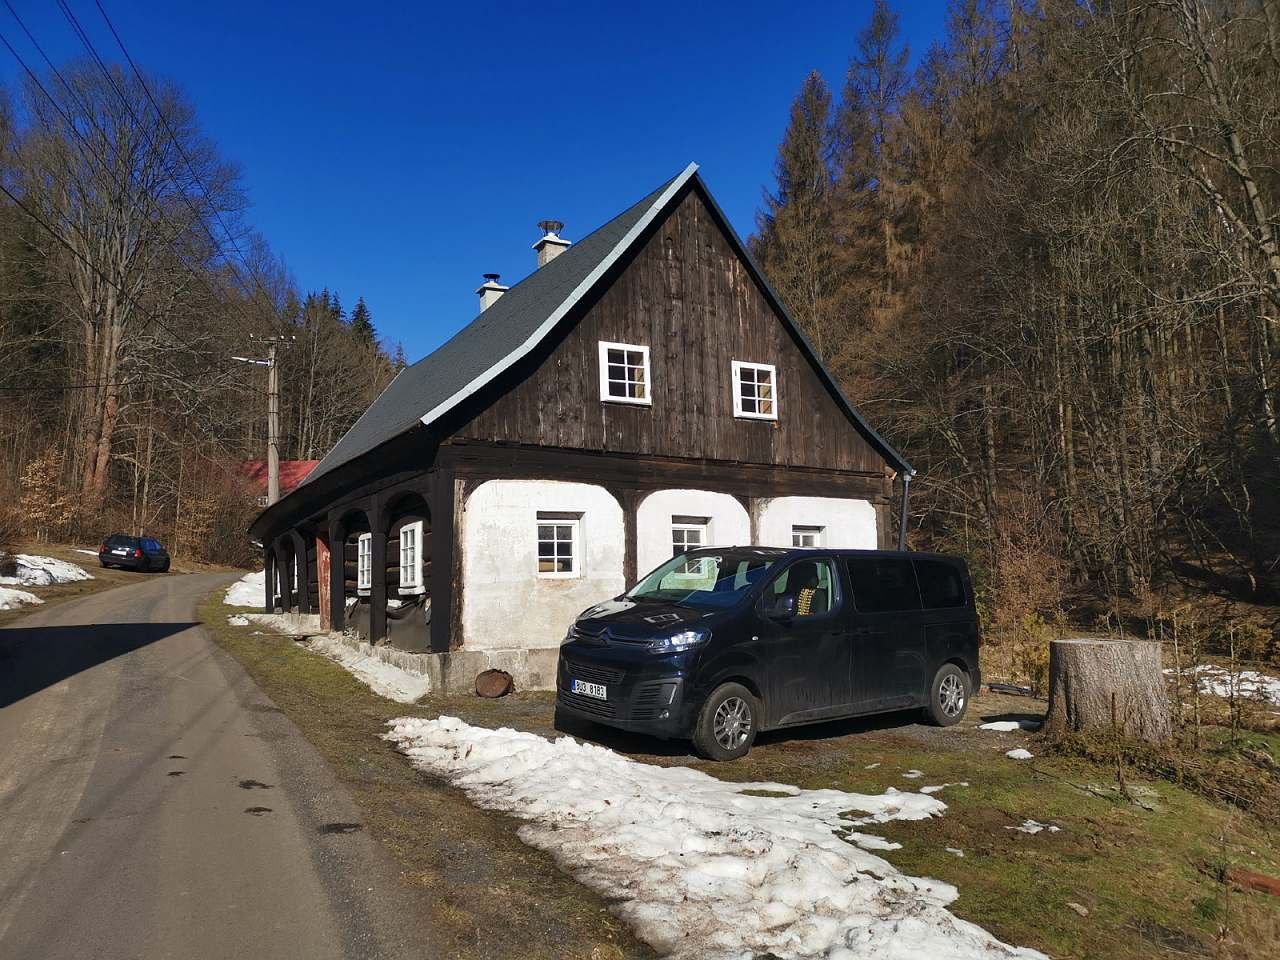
(690, 299)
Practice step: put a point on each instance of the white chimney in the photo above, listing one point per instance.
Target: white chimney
(550, 246)
(490, 291)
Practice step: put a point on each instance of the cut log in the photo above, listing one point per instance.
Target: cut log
(493, 683)
(1105, 685)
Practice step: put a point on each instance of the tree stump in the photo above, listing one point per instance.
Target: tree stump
(1106, 685)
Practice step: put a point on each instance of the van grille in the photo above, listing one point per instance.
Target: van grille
(593, 673)
(645, 701)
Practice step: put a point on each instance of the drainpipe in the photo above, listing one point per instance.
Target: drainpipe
(902, 522)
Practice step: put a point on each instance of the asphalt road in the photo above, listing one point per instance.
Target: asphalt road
(155, 804)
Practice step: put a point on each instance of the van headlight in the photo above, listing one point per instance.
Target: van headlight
(684, 640)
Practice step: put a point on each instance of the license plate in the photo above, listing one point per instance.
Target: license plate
(122, 553)
(596, 690)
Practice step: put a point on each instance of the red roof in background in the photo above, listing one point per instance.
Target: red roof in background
(292, 473)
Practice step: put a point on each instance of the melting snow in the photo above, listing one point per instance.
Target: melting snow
(11, 599)
(955, 851)
(238, 621)
(943, 786)
(1020, 754)
(699, 867)
(34, 571)
(384, 679)
(913, 774)
(1007, 726)
(1249, 684)
(249, 591)
(1032, 826)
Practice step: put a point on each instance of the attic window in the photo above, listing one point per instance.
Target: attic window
(624, 373)
(755, 390)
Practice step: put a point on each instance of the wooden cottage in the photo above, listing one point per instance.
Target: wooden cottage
(643, 391)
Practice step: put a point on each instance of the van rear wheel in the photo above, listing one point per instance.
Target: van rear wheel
(727, 723)
(949, 695)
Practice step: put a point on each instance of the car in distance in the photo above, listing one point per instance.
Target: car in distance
(718, 644)
(133, 553)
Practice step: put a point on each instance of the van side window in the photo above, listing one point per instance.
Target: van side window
(883, 584)
(811, 582)
(940, 584)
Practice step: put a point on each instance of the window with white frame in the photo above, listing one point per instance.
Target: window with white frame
(364, 562)
(411, 558)
(803, 536)
(688, 533)
(558, 549)
(624, 373)
(755, 390)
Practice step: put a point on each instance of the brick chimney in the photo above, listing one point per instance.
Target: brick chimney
(550, 246)
(490, 291)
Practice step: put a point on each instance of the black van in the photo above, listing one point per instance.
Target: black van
(720, 643)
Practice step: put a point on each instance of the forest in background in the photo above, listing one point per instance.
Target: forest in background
(1043, 260)
(128, 282)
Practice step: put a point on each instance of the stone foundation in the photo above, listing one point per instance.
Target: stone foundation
(455, 672)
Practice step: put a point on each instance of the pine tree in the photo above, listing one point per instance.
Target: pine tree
(796, 241)
(362, 323)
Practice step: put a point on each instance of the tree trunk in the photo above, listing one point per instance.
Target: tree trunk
(1105, 685)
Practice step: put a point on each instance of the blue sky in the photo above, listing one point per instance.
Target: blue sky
(399, 151)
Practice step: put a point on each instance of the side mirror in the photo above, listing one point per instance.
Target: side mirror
(783, 608)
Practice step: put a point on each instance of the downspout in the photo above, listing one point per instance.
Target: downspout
(902, 521)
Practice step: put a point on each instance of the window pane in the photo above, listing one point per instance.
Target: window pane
(883, 585)
(940, 584)
(811, 583)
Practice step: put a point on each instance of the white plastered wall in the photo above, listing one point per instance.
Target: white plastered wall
(846, 523)
(505, 604)
(729, 522)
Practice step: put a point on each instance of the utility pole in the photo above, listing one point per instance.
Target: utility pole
(273, 410)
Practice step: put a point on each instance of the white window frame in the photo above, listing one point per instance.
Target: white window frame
(605, 396)
(818, 533)
(364, 563)
(703, 527)
(575, 548)
(738, 367)
(411, 571)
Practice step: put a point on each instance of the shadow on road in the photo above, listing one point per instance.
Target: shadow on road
(33, 658)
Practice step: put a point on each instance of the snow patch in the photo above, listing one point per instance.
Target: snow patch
(943, 786)
(92, 553)
(1033, 827)
(249, 591)
(1021, 753)
(36, 571)
(700, 867)
(1008, 726)
(384, 679)
(955, 852)
(1245, 684)
(11, 599)
(913, 774)
(238, 621)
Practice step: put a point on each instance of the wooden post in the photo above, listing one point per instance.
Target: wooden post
(378, 588)
(302, 582)
(269, 579)
(1087, 676)
(323, 585)
(337, 576)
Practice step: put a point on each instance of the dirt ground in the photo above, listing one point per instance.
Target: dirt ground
(1134, 876)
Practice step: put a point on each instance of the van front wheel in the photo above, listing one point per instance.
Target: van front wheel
(949, 695)
(727, 723)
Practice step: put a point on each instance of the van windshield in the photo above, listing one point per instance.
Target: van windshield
(715, 580)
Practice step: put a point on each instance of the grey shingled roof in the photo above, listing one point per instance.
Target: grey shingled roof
(424, 391)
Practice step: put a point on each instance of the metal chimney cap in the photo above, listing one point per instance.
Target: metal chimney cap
(550, 226)
(491, 277)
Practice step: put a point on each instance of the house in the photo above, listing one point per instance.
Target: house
(641, 392)
(292, 473)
